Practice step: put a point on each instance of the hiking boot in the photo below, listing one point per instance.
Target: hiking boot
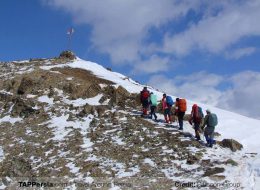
(197, 138)
(181, 129)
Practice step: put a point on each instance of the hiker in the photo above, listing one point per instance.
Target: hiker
(211, 121)
(167, 103)
(144, 97)
(196, 119)
(153, 105)
(181, 108)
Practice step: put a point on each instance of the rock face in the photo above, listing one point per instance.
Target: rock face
(231, 144)
(67, 55)
(25, 86)
(213, 171)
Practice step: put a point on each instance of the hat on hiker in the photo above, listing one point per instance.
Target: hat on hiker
(208, 110)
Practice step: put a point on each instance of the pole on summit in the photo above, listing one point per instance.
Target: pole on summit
(69, 33)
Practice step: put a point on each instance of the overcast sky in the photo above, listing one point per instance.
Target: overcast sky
(207, 51)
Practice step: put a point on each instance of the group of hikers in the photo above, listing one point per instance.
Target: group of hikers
(177, 109)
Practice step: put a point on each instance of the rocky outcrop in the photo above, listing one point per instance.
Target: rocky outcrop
(213, 171)
(26, 85)
(231, 144)
(118, 96)
(67, 55)
(87, 109)
(22, 108)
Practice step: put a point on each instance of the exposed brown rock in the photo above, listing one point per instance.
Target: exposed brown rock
(231, 144)
(213, 171)
(26, 85)
(67, 55)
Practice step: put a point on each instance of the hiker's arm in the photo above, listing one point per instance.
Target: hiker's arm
(205, 122)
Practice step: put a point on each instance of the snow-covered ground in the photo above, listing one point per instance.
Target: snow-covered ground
(231, 125)
(1, 154)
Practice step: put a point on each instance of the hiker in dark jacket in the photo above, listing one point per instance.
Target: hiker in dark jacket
(196, 119)
(181, 107)
(144, 97)
(153, 105)
(209, 130)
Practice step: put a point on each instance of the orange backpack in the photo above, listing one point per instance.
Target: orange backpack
(182, 105)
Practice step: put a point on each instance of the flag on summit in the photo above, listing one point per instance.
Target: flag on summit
(70, 31)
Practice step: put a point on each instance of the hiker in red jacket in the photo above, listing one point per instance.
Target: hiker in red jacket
(144, 97)
(196, 119)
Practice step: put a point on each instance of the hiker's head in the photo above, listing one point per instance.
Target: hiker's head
(177, 99)
(194, 106)
(151, 92)
(145, 88)
(164, 95)
(208, 111)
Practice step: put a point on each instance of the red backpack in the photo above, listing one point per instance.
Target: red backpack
(196, 114)
(145, 94)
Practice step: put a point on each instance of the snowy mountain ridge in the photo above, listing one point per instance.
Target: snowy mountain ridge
(64, 113)
(247, 127)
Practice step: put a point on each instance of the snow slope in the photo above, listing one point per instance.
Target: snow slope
(231, 125)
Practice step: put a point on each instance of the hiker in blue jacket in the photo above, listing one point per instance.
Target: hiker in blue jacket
(153, 105)
(211, 121)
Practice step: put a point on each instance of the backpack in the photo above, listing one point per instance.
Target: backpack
(145, 94)
(169, 100)
(182, 106)
(153, 99)
(201, 112)
(213, 120)
(197, 114)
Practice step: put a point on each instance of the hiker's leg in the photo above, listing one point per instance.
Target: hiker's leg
(152, 112)
(180, 118)
(165, 116)
(211, 137)
(197, 134)
(206, 135)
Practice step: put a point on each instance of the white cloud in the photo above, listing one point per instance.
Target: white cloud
(153, 65)
(119, 26)
(217, 32)
(198, 86)
(241, 52)
(241, 96)
(244, 95)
